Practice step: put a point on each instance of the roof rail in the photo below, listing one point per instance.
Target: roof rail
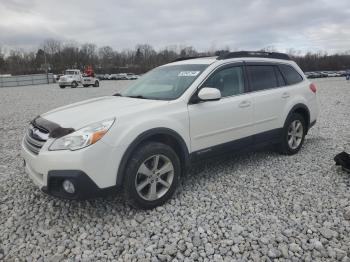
(189, 57)
(254, 54)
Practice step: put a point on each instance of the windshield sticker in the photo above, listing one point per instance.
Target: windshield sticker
(188, 73)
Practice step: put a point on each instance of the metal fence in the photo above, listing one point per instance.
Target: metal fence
(25, 80)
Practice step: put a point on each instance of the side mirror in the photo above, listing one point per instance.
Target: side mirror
(209, 94)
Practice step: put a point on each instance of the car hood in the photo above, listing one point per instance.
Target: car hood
(83, 113)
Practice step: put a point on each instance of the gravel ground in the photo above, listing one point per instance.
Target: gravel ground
(256, 206)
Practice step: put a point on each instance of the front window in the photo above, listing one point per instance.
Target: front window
(230, 81)
(70, 72)
(166, 82)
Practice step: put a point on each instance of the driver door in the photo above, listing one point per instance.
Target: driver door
(224, 124)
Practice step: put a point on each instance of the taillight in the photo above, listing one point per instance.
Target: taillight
(313, 88)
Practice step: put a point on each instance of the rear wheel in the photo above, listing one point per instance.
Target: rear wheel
(62, 86)
(293, 134)
(74, 84)
(151, 176)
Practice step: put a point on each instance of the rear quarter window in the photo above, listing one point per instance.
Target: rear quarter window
(290, 74)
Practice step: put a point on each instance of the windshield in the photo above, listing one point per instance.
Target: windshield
(166, 82)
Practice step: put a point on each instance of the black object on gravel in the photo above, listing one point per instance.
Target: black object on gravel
(343, 159)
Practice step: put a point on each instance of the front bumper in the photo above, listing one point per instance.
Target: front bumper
(92, 170)
(85, 188)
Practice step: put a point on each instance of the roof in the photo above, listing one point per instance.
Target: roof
(200, 60)
(261, 54)
(246, 55)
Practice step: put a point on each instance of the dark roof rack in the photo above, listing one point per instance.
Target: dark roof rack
(254, 54)
(189, 57)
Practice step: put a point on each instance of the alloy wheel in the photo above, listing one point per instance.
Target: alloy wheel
(154, 177)
(295, 134)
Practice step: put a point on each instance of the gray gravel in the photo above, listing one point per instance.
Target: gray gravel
(257, 206)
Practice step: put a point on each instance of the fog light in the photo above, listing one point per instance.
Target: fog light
(68, 186)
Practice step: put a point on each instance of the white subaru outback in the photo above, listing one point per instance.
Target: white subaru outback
(144, 139)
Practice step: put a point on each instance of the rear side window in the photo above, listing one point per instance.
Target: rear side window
(291, 75)
(262, 77)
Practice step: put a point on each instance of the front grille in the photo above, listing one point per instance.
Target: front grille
(35, 138)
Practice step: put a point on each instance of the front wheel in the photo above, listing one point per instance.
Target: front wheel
(97, 84)
(293, 134)
(74, 84)
(151, 176)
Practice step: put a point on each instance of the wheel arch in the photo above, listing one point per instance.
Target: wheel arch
(164, 135)
(303, 110)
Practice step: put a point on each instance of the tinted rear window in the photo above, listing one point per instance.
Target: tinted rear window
(262, 77)
(290, 74)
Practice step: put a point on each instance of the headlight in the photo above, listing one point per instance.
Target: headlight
(83, 137)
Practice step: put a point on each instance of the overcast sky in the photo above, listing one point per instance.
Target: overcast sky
(307, 25)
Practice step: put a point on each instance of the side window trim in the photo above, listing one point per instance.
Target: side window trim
(277, 69)
(247, 84)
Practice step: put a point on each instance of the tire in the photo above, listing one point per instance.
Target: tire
(85, 85)
(164, 184)
(62, 87)
(97, 84)
(74, 84)
(293, 134)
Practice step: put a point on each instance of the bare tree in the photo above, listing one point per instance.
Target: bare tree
(52, 46)
(2, 62)
(188, 51)
(62, 55)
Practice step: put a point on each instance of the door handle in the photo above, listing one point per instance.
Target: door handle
(285, 95)
(244, 104)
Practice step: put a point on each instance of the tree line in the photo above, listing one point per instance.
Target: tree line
(56, 56)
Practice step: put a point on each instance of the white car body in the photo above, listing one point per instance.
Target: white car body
(70, 76)
(333, 74)
(112, 77)
(131, 76)
(200, 126)
(74, 78)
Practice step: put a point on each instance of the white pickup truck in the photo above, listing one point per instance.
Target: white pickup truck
(74, 78)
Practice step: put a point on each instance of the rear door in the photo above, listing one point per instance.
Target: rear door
(268, 96)
(216, 123)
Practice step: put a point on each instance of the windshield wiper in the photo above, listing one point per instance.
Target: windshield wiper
(138, 96)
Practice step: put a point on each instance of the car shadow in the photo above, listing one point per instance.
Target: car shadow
(115, 203)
